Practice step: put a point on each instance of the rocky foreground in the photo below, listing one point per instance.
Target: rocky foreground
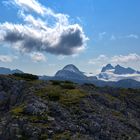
(54, 110)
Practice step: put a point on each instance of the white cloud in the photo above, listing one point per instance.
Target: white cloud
(38, 57)
(37, 34)
(102, 35)
(6, 58)
(100, 59)
(131, 58)
(134, 36)
(28, 5)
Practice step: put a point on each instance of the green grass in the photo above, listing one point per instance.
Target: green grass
(50, 92)
(110, 97)
(63, 95)
(72, 97)
(62, 136)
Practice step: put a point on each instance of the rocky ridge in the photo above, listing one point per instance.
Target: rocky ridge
(62, 110)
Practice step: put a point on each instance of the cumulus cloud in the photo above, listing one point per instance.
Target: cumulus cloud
(117, 59)
(126, 58)
(38, 57)
(37, 34)
(6, 58)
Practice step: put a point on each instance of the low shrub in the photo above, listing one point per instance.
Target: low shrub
(26, 76)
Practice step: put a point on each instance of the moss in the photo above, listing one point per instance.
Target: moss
(62, 136)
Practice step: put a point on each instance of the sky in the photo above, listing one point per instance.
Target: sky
(42, 36)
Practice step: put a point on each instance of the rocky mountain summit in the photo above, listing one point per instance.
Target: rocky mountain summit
(70, 72)
(32, 109)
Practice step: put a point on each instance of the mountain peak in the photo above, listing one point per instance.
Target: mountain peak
(107, 67)
(70, 72)
(118, 66)
(71, 68)
(121, 70)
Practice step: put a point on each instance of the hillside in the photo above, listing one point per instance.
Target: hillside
(54, 110)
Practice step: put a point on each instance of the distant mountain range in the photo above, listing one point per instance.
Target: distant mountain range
(117, 76)
(9, 71)
(110, 73)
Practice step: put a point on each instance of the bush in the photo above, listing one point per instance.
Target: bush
(26, 76)
(55, 82)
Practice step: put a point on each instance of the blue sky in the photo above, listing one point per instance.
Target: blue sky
(87, 33)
